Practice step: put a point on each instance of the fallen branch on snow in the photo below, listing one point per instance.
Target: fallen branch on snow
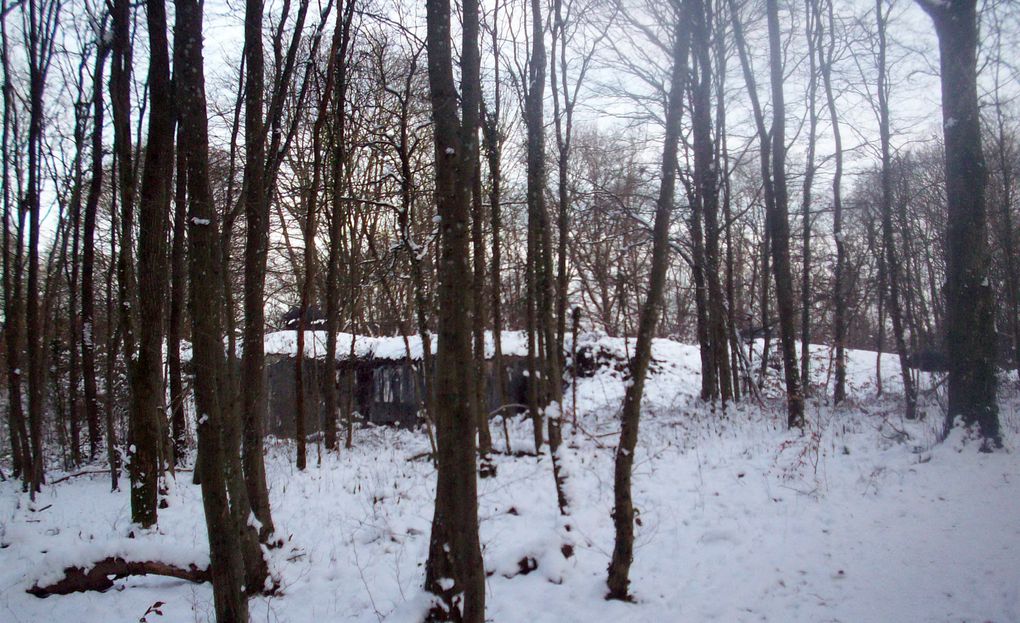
(98, 576)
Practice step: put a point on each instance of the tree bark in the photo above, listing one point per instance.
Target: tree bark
(175, 321)
(888, 240)
(338, 172)
(486, 466)
(550, 385)
(100, 575)
(623, 509)
(120, 101)
(780, 226)
(454, 550)
(226, 570)
(812, 34)
(256, 210)
(13, 267)
(970, 324)
(839, 303)
(147, 380)
(707, 181)
(42, 18)
(493, 143)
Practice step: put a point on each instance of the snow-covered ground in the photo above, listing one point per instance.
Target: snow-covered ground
(864, 518)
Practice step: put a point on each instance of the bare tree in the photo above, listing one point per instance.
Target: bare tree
(13, 267)
(780, 225)
(970, 324)
(454, 551)
(147, 412)
(542, 338)
(175, 318)
(888, 240)
(706, 201)
(43, 20)
(826, 54)
(226, 570)
(338, 169)
(623, 508)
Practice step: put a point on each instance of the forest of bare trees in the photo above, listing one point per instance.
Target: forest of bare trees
(176, 178)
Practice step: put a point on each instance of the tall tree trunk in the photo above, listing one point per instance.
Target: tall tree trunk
(623, 509)
(839, 304)
(723, 165)
(888, 241)
(564, 129)
(780, 226)
(486, 467)
(709, 382)
(42, 17)
(308, 284)
(256, 210)
(768, 191)
(13, 267)
(970, 318)
(493, 143)
(551, 382)
(454, 550)
(337, 177)
(175, 321)
(112, 344)
(120, 100)
(707, 180)
(531, 328)
(147, 381)
(1008, 241)
(812, 34)
(73, 316)
(226, 570)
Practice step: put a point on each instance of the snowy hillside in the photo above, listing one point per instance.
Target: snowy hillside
(864, 518)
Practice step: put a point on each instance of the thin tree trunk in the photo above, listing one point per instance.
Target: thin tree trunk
(813, 38)
(493, 142)
(256, 210)
(120, 100)
(307, 286)
(337, 175)
(74, 317)
(723, 164)
(1008, 241)
(709, 382)
(892, 265)
(175, 322)
(112, 344)
(825, 62)
(623, 509)
(486, 466)
(767, 183)
(551, 382)
(780, 226)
